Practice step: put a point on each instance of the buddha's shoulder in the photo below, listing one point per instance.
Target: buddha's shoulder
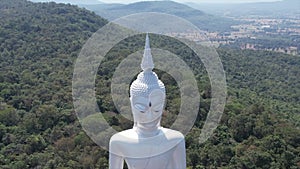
(130, 136)
(172, 134)
(124, 136)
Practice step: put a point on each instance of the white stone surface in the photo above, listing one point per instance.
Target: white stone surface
(147, 145)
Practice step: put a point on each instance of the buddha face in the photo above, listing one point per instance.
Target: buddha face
(148, 110)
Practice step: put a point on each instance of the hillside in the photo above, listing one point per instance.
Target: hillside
(39, 44)
(74, 2)
(202, 20)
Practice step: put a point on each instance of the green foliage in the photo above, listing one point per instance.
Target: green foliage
(8, 115)
(38, 45)
(38, 126)
(34, 143)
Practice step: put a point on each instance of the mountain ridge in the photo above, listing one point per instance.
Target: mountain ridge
(199, 18)
(75, 2)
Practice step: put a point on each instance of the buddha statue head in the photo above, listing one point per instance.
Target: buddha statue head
(147, 94)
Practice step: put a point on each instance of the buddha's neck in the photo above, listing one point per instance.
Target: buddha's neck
(146, 130)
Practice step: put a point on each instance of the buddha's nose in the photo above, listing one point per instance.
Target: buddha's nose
(149, 114)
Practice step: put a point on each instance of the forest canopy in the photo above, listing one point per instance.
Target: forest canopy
(39, 44)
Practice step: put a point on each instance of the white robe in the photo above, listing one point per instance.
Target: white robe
(166, 150)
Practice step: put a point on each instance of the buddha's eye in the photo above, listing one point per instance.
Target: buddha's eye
(140, 107)
(157, 107)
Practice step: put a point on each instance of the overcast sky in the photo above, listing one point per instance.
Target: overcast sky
(197, 1)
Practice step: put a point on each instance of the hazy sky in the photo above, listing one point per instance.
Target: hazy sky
(197, 1)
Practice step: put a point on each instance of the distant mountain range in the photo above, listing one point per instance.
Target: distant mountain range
(199, 18)
(272, 9)
(75, 2)
(113, 11)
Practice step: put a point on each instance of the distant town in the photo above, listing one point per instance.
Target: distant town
(279, 35)
(273, 26)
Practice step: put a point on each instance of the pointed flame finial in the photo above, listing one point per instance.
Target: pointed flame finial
(147, 61)
(147, 42)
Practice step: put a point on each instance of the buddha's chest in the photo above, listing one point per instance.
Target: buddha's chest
(164, 161)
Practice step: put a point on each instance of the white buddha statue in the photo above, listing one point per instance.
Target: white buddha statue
(147, 145)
